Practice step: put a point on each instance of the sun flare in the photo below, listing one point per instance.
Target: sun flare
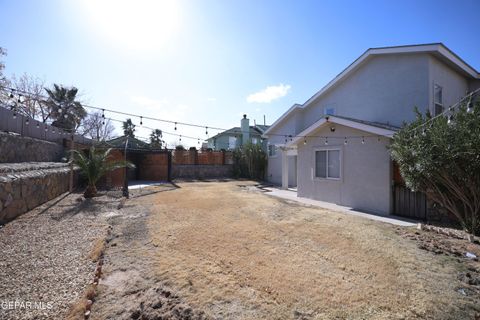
(136, 25)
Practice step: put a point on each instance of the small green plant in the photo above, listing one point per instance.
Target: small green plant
(95, 165)
(250, 161)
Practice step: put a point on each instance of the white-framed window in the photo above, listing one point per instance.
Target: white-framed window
(437, 99)
(328, 164)
(232, 143)
(272, 150)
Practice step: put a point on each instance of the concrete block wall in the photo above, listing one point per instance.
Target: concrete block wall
(201, 171)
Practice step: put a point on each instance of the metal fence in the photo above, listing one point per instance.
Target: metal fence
(11, 121)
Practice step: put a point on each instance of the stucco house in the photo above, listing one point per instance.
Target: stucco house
(333, 147)
(238, 136)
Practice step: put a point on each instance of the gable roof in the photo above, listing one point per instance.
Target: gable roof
(439, 50)
(254, 130)
(119, 143)
(374, 128)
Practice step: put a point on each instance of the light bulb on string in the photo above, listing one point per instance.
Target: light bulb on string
(363, 140)
(198, 140)
(470, 106)
(19, 98)
(103, 113)
(326, 141)
(305, 140)
(15, 115)
(175, 126)
(38, 124)
(345, 141)
(141, 120)
(46, 128)
(27, 122)
(206, 131)
(450, 119)
(180, 138)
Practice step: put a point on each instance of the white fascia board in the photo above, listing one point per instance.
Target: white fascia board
(437, 47)
(344, 122)
(284, 116)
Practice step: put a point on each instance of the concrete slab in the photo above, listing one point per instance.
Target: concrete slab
(292, 195)
(139, 184)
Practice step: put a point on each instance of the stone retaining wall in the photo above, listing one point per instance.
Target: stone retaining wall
(15, 148)
(185, 171)
(24, 186)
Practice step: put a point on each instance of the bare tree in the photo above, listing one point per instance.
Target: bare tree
(32, 104)
(96, 126)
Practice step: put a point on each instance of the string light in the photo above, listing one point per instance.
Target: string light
(27, 122)
(46, 128)
(175, 126)
(363, 140)
(450, 119)
(326, 141)
(38, 124)
(180, 138)
(305, 140)
(141, 120)
(345, 141)
(470, 106)
(206, 131)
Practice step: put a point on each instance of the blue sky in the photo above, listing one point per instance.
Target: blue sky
(210, 61)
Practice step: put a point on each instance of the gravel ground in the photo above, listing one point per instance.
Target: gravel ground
(45, 264)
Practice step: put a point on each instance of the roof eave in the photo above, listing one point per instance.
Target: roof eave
(344, 122)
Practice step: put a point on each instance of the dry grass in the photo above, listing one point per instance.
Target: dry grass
(243, 255)
(78, 309)
(98, 249)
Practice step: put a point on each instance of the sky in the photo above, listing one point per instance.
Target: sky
(208, 62)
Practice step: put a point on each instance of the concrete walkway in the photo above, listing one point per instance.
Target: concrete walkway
(292, 195)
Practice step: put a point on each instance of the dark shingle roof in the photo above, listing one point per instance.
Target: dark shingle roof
(370, 123)
(119, 143)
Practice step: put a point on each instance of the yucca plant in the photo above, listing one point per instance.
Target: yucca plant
(96, 165)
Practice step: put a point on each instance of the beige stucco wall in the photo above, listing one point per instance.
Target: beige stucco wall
(365, 171)
(384, 89)
(454, 85)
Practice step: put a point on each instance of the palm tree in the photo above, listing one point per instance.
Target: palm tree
(156, 138)
(128, 128)
(63, 107)
(95, 166)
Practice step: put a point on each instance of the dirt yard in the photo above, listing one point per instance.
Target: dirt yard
(225, 251)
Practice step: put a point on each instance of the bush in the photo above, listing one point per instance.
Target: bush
(441, 157)
(249, 161)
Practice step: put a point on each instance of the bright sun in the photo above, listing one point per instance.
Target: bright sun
(143, 25)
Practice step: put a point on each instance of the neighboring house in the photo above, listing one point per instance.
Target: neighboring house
(238, 136)
(334, 147)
